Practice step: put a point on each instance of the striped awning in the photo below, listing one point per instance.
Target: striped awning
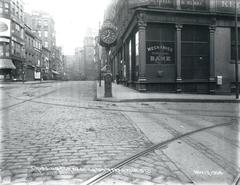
(6, 64)
(55, 72)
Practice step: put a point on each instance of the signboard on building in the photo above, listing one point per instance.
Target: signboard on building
(160, 52)
(227, 6)
(163, 3)
(137, 3)
(4, 27)
(194, 4)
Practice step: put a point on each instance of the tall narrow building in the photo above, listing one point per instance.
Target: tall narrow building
(11, 39)
(90, 67)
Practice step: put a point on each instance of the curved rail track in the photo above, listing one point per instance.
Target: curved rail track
(99, 177)
(101, 108)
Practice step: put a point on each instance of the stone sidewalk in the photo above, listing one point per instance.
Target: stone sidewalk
(125, 94)
(3, 83)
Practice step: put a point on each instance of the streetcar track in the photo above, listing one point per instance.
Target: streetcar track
(99, 177)
(194, 124)
(27, 100)
(100, 108)
(97, 107)
(214, 133)
(209, 153)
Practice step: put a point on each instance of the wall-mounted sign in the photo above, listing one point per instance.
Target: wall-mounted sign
(227, 6)
(194, 4)
(160, 52)
(163, 3)
(137, 3)
(4, 27)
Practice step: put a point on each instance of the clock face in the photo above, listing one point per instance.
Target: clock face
(108, 36)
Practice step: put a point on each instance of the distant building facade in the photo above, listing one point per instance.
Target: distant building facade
(43, 26)
(80, 64)
(12, 50)
(174, 45)
(45, 66)
(37, 46)
(90, 65)
(29, 64)
(57, 63)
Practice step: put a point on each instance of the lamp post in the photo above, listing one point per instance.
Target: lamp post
(236, 59)
(108, 39)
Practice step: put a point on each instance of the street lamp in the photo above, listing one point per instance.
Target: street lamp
(236, 60)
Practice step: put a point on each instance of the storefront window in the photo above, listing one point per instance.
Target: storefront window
(160, 44)
(4, 49)
(195, 52)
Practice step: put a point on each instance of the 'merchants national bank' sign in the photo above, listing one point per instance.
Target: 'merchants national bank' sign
(227, 6)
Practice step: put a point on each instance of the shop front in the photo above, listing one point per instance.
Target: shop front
(178, 46)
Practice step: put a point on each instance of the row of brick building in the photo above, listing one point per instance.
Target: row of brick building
(28, 48)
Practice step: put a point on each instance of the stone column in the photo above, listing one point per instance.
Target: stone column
(179, 57)
(142, 53)
(212, 77)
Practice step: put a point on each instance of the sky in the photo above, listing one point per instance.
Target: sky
(72, 19)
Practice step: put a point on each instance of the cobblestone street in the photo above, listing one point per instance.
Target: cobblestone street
(55, 133)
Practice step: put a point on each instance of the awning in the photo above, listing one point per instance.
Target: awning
(55, 72)
(6, 64)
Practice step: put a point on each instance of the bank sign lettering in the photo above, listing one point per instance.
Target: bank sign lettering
(160, 52)
(227, 5)
(163, 3)
(194, 4)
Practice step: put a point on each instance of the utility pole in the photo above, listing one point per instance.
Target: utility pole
(236, 60)
(99, 56)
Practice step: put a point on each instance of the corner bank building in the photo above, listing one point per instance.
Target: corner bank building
(174, 45)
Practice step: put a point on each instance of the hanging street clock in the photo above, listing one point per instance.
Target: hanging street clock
(108, 35)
